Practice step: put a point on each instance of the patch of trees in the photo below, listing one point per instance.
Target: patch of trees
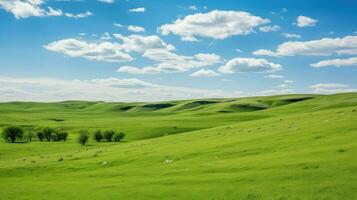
(18, 134)
(108, 135)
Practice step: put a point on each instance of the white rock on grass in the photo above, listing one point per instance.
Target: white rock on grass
(168, 161)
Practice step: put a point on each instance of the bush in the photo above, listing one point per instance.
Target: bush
(40, 135)
(108, 135)
(12, 133)
(83, 137)
(119, 136)
(64, 136)
(98, 136)
(48, 133)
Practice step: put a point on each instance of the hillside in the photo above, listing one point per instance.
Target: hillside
(277, 147)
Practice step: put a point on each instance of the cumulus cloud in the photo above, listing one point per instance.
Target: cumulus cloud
(291, 35)
(249, 65)
(269, 28)
(349, 62)
(329, 88)
(141, 9)
(216, 24)
(140, 43)
(136, 29)
(104, 89)
(34, 8)
(102, 51)
(170, 62)
(205, 73)
(322, 47)
(304, 21)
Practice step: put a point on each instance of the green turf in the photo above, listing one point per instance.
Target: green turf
(279, 147)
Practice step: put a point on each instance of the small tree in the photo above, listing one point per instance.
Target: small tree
(30, 135)
(83, 137)
(108, 135)
(40, 135)
(119, 136)
(64, 136)
(98, 136)
(12, 133)
(48, 133)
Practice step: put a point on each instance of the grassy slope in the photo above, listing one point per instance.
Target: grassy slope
(301, 150)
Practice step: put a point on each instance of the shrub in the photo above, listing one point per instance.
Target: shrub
(61, 135)
(119, 136)
(108, 135)
(98, 136)
(83, 137)
(12, 133)
(40, 135)
(48, 133)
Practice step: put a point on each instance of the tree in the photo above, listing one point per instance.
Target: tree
(83, 137)
(64, 136)
(30, 135)
(40, 135)
(48, 133)
(108, 135)
(98, 136)
(119, 136)
(12, 133)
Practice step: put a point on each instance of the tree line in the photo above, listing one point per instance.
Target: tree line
(14, 134)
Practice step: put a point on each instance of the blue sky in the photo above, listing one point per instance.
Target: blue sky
(145, 50)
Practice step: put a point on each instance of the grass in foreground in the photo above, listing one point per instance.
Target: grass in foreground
(286, 149)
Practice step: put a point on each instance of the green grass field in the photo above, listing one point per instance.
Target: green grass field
(278, 147)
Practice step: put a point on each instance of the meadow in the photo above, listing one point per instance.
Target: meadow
(276, 147)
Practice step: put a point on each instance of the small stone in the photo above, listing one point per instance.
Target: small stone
(60, 159)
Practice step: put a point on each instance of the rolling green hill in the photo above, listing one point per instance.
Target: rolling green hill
(277, 147)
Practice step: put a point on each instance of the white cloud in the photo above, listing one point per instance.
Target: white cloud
(108, 89)
(249, 65)
(102, 51)
(269, 28)
(322, 47)
(80, 15)
(286, 84)
(192, 7)
(291, 35)
(216, 24)
(141, 9)
(329, 88)
(139, 43)
(304, 21)
(118, 25)
(205, 73)
(106, 36)
(33, 8)
(274, 76)
(170, 62)
(136, 70)
(107, 1)
(136, 29)
(349, 62)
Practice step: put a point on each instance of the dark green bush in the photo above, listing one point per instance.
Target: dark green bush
(98, 136)
(108, 135)
(83, 137)
(12, 133)
(119, 136)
